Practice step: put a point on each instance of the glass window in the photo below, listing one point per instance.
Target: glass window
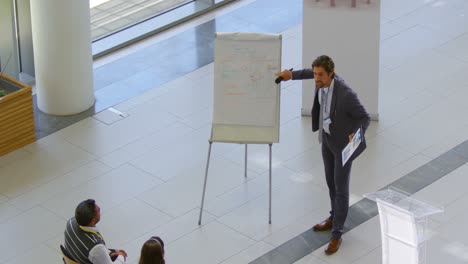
(109, 16)
(118, 23)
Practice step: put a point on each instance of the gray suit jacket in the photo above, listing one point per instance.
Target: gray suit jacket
(347, 114)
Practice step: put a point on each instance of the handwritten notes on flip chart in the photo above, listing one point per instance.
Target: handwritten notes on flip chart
(246, 98)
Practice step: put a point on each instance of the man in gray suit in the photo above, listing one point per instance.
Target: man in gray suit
(337, 114)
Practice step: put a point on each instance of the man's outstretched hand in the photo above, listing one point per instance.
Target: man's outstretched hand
(285, 75)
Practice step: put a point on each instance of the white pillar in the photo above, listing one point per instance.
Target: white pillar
(351, 37)
(62, 54)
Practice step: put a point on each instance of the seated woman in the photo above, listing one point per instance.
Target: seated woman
(152, 251)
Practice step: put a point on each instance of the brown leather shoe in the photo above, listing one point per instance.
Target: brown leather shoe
(324, 226)
(333, 246)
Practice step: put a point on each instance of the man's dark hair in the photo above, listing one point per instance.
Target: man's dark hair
(85, 212)
(325, 62)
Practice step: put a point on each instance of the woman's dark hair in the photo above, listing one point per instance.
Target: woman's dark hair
(152, 251)
(325, 62)
(85, 211)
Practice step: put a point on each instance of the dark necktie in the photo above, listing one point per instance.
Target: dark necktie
(322, 109)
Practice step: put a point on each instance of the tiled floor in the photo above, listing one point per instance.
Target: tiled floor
(146, 169)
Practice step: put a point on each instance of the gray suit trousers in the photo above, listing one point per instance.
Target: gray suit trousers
(337, 178)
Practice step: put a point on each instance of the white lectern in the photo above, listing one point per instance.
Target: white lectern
(403, 224)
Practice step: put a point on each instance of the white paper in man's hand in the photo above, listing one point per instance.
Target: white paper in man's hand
(351, 147)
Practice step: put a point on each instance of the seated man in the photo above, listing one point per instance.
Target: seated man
(83, 242)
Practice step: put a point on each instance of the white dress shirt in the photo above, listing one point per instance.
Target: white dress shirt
(99, 254)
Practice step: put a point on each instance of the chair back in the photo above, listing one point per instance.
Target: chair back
(66, 257)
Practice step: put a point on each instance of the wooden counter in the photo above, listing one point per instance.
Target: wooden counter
(16, 115)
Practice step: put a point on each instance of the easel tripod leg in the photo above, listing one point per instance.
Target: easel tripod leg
(204, 184)
(245, 162)
(269, 213)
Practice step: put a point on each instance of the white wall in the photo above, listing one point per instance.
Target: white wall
(351, 37)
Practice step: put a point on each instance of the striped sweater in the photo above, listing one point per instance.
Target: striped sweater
(79, 241)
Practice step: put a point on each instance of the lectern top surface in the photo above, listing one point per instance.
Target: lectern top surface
(403, 202)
